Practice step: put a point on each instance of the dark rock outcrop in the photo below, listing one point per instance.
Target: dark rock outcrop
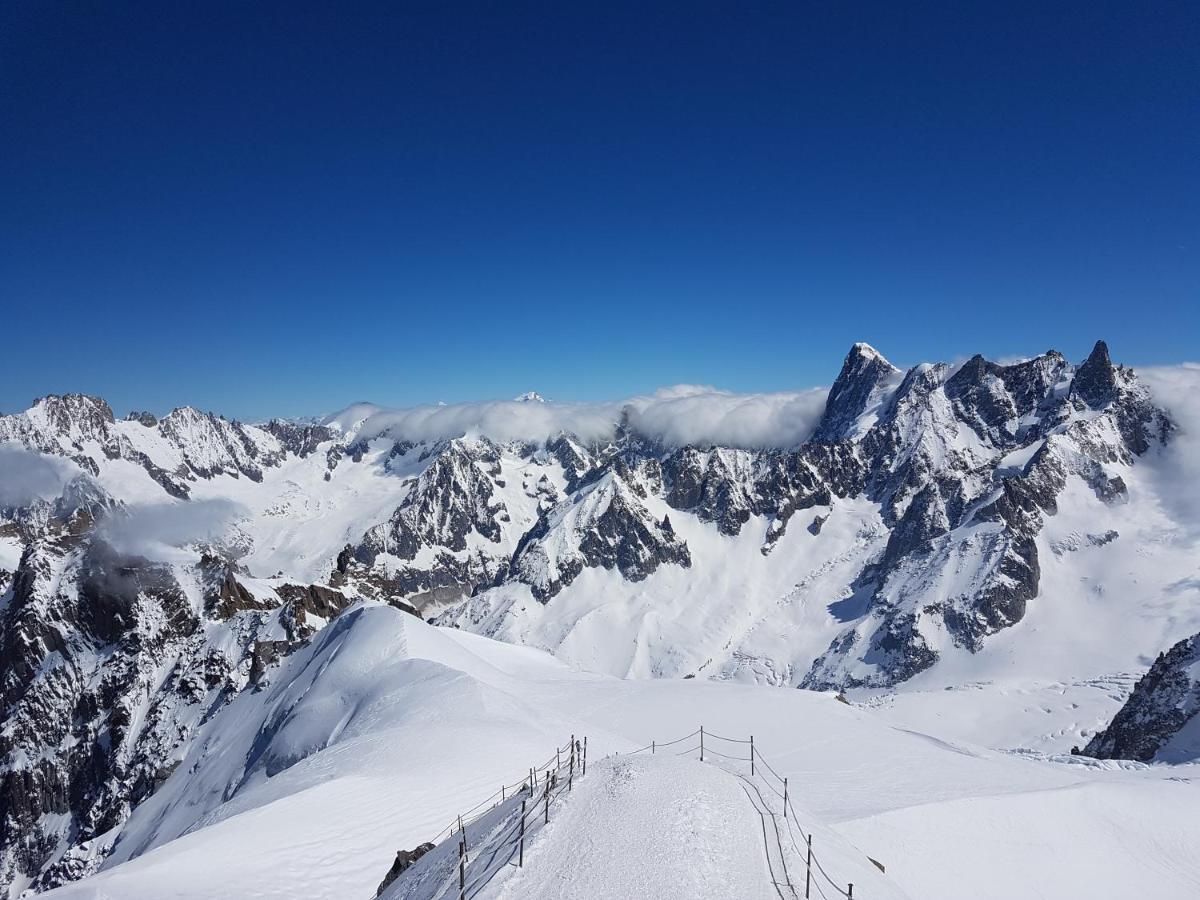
(1163, 701)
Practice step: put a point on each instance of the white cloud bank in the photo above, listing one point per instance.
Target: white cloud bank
(159, 531)
(1177, 390)
(26, 475)
(684, 414)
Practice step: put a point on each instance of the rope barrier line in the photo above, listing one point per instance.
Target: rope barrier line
(756, 756)
(490, 853)
(680, 740)
(731, 740)
(725, 755)
(759, 757)
(775, 825)
(481, 856)
(766, 846)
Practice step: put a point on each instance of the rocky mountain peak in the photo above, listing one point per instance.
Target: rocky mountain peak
(1154, 717)
(860, 386)
(1095, 381)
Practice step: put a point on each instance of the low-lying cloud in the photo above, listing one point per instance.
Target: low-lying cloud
(1177, 470)
(26, 475)
(160, 531)
(684, 414)
(687, 414)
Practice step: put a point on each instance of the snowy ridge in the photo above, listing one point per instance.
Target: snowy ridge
(982, 526)
(453, 718)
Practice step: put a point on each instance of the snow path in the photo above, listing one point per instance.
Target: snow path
(442, 718)
(670, 828)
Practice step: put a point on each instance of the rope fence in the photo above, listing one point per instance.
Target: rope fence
(482, 841)
(491, 836)
(760, 769)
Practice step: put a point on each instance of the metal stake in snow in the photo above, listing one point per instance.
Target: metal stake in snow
(462, 870)
(521, 854)
(808, 868)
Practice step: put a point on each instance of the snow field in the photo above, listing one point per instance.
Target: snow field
(376, 735)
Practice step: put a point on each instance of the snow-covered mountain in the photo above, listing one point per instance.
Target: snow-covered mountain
(945, 527)
(1159, 720)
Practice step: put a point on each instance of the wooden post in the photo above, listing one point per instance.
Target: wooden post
(785, 803)
(751, 755)
(850, 893)
(701, 743)
(572, 756)
(808, 868)
(557, 759)
(547, 796)
(521, 856)
(501, 793)
(652, 748)
(585, 755)
(462, 871)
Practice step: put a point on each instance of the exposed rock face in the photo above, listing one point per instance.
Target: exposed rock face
(91, 724)
(861, 387)
(404, 858)
(111, 663)
(606, 527)
(451, 500)
(181, 447)
(300, 439)
(1165, 700)
(936, 461)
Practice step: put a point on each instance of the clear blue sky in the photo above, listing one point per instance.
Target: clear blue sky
(279, 208)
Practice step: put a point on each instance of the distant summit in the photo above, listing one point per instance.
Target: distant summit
(530, 397)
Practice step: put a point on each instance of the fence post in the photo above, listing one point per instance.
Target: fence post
(557, 758)
(572, 775)
(752, 755)
(850, 893)
(701, 743)
(462, 871)
(808, 868)
(547, 796)
(501, 793)
(785, 800)
(652, 748)
(521, 857)
(585, 755)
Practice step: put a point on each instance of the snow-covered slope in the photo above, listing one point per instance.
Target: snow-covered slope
(372, 739)
(993, 553)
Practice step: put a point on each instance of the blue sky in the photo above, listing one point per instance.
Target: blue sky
(281, 208)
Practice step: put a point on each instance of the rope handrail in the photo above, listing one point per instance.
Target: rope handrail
(757, 757)
(731, 740)
(726, 755)
(497, 843)
(678, 740)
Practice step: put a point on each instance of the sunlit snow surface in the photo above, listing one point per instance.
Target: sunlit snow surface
(376, 735)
